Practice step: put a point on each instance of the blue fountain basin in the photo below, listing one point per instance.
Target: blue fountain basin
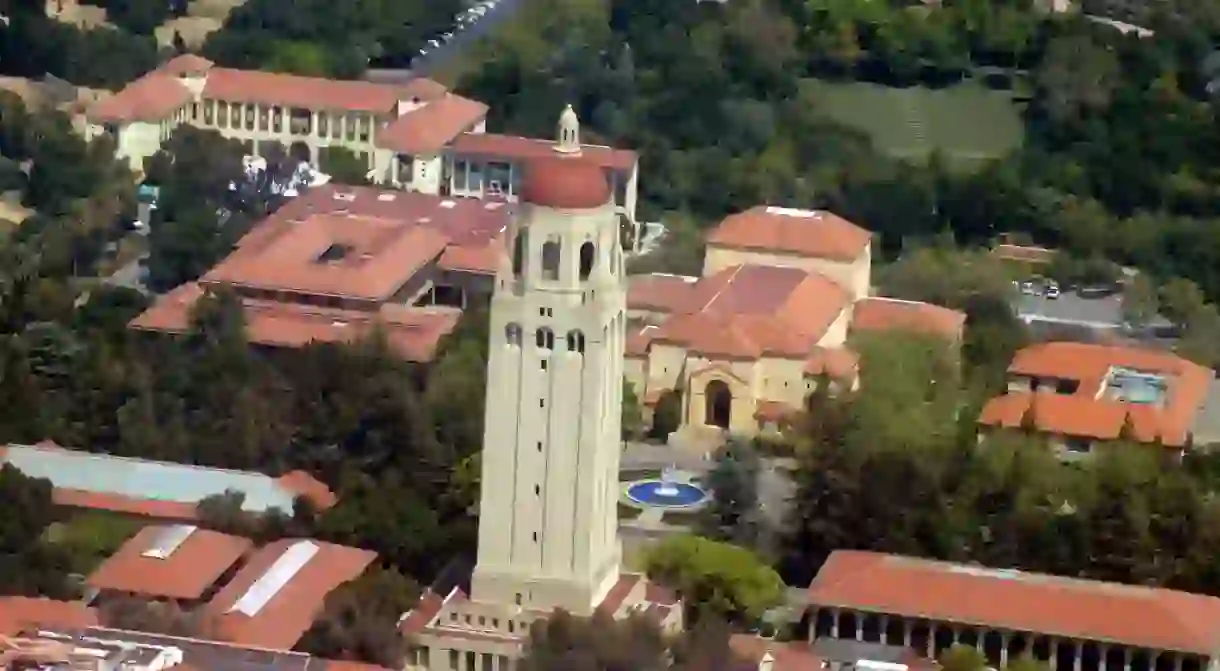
(655, 493)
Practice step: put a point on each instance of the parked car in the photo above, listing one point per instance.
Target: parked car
(1052, 291)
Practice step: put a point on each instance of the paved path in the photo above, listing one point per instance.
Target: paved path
(438, 57)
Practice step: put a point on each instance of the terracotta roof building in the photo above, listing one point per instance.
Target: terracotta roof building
(20, 614)
(1070, 623)
(274, 598)
(770, 317)
(155, 489)
(337, 262)
(414, 134)
(1079, 393)
(172, 561)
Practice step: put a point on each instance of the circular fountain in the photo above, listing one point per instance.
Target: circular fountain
(670, 491)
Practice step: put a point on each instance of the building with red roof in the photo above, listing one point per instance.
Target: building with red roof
(21, 613)
(336, 262)
(178, 562)
(1069, 623)
(1081, 393)
(273, 600)
(414, 135)
(749, 340)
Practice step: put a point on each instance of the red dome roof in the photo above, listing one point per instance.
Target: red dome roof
(566, 183)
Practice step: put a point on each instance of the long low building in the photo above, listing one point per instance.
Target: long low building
(1072, 624)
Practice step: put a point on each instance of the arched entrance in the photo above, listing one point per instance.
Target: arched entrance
(719, 402)
(299, 151)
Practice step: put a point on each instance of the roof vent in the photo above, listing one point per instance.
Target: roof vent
(424, 220)
(168, 539)
(338, 323)
(448, 204)
(285, 568)
(793, 212)
(385, 197)
(344, 196)
(494, 205)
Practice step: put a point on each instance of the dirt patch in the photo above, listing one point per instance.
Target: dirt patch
(213, 9)
(83, 16)
(193, 29)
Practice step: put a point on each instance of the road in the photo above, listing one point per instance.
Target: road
(426, 65)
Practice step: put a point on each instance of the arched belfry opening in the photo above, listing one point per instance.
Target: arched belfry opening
(588, 253)
(719, 404)
(568, 137)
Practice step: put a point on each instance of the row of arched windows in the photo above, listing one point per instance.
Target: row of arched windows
(544, 338)
(552, 252)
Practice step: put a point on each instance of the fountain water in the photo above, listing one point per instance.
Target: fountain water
(669, 483)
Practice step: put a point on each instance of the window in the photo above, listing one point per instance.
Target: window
(512, 334)
(336, 127)
(535, 536)
(277, 119)
(222, 115)
(453, 659)
(482, 621)
(487, 661)
(550, 260)
(544, 364)
(587, 252)
(537, 490)
(540, 446)
(365, 125)
(209, 111)
(194, 111)
(510, 626)
(249, 117)
(262, 118)
(544, 338)
(576, 342)
(517, 598)
(322, 121)
(234, 115)
(519, 246)
(459, 175)
(541, 403)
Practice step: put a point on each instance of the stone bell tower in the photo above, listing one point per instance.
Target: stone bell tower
(548, 515)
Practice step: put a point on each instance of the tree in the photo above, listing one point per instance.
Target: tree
(962, 658)
(1139, 302)
(343, 165)
(666, 415)
(733, 514)
(563, 642)
(359, 619)
(1181, 300)
(633, 414)
(716, 579)
(1076, 76)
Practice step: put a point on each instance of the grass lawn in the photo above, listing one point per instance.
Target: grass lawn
(968, 122)
(91, 537)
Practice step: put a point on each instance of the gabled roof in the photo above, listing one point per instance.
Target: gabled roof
(1144, 617)
(428, 128)
(274, 599)
(170, 561)
(807, 233)
(884, 314)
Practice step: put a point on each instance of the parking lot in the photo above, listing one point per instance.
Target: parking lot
(1071, 309)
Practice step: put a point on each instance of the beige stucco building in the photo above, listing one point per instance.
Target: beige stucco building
(548, 516)
(742, 346)
(417, 136)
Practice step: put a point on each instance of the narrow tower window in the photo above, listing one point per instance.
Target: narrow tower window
(545, 338)
(587, 254)
(576, 342)
(519, 245)
(512, 334)
(550, 260)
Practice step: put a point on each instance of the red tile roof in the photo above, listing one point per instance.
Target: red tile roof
(876, 314)
(1143, 617)
(186, 573)
(152, 97)
(19, 613)
(659, 292)
(750, 311)
(429, 128)
(1087, 413)
(481, 260)
(118, 503)
(347, 665)
(429, 606)
(808, 233)
(565, 182)
(513, 148)
(314, 93)
(790, 656)
(289, 613)
(413, 332)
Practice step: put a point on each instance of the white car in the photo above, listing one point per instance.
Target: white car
(446, 37)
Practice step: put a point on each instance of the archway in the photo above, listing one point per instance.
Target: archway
(299, 151)
(719, 404)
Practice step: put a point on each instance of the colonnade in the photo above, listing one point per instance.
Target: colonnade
(998, 645)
